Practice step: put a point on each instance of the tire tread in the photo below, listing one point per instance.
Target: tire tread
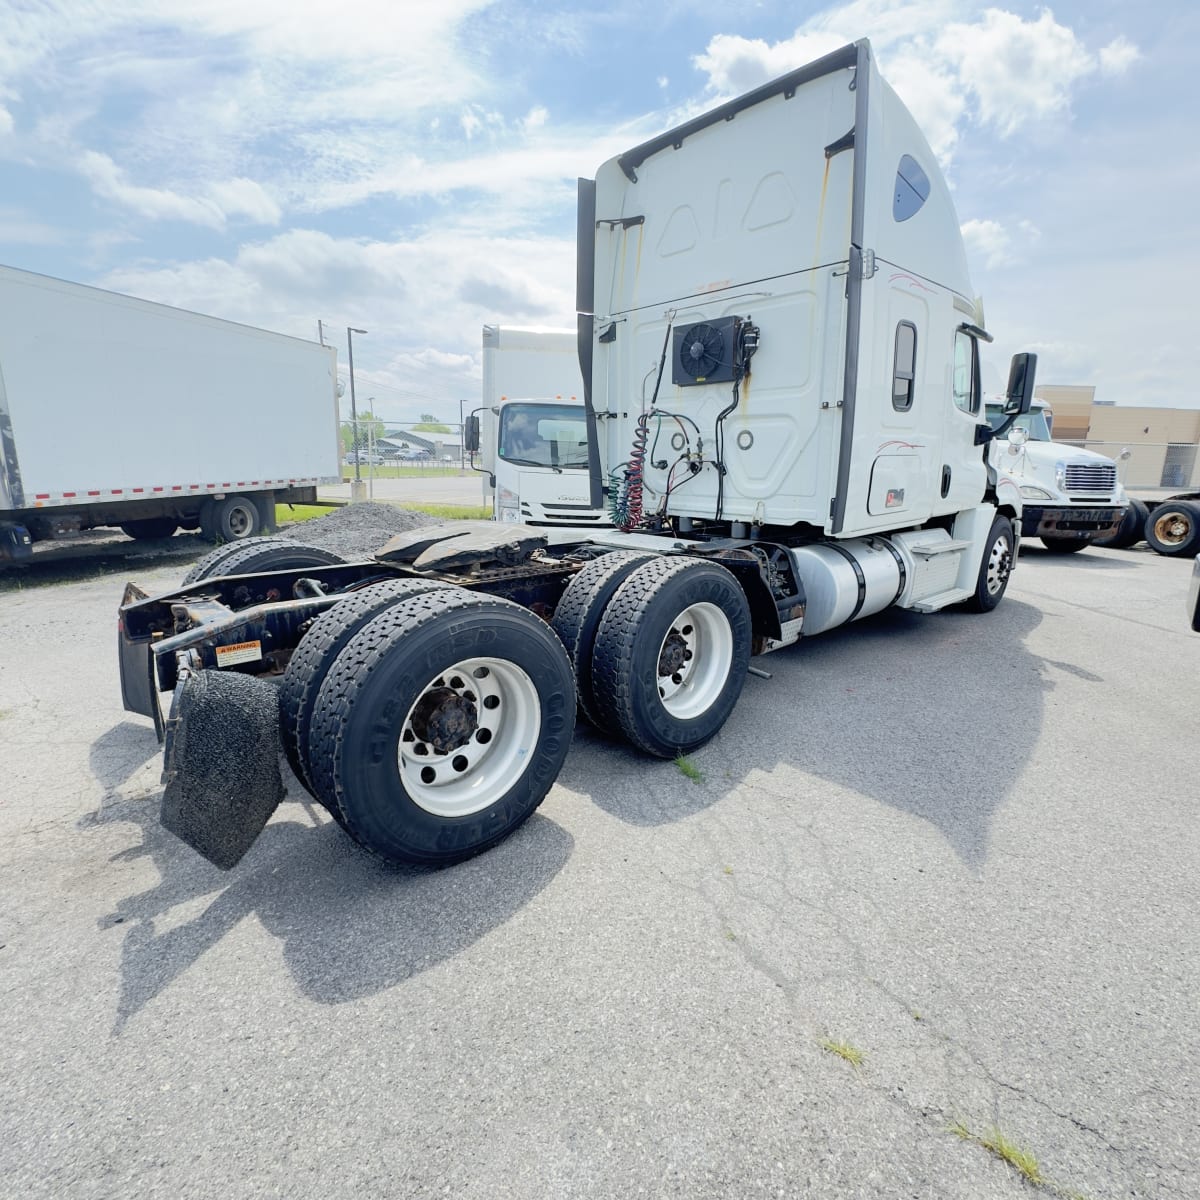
(579, 612)
(263, 554)
(616, 643)
(316, 653)
(348, 675)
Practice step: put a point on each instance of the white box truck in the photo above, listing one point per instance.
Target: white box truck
(529, 436)
(116, 411)
(777, 292)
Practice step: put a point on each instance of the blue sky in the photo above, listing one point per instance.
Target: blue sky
(410, 168)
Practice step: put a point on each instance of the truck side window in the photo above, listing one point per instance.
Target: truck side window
(966, 386)
(904, 366)
(912, 189)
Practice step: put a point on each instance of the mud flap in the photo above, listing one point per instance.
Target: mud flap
(221, 764)
(139, 686)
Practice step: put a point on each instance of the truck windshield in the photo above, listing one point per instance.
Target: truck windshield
(543, 435)
(1033, 422)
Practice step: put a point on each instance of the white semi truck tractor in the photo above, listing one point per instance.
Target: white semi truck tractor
(1071, 496)
(780, 349)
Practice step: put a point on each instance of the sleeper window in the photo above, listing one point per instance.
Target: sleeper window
(904, 366)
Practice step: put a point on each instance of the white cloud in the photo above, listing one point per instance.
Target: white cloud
(220, 201)
(425, 299)
(1000, 70)
(6, 121)
(994, 245)
(988, 240)
(471, 124)
(1118, 56)
(245, 198)
(535, 119)
(157, 204)
(1017, 71)
(735, 64)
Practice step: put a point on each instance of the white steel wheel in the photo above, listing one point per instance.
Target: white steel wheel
(671, 654)
(999, 565)
(469, 736)
(996, 567)
(694, 661)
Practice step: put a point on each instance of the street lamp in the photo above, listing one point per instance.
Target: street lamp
(353, 406)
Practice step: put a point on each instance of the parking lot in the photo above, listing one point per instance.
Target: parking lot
(962, 846)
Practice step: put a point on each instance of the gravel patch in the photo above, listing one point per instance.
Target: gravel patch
(357, 530)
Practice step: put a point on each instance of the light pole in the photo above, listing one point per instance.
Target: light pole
(357, 488)
(462, 438)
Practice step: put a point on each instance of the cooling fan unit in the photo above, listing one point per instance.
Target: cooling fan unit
(704, 352)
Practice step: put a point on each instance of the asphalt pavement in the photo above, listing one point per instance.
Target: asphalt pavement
(963, 846)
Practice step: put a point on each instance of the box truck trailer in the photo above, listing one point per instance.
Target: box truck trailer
(120, 412)
(782, 284)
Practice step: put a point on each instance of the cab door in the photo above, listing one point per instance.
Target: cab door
(899, 420)
(963, 476)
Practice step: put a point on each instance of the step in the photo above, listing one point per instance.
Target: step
(929, 549)
(943, 599)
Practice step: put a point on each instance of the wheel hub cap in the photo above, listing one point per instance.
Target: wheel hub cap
(674, 654)
(694, 661)
(445, 719)
(469, 736)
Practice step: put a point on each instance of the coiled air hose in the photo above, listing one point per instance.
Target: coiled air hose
(625, 504)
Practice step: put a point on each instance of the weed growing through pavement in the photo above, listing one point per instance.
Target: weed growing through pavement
(688, 769)
(997, 1143)
(852, 1054)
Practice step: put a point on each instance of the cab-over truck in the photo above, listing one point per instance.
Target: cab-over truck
(779, 348)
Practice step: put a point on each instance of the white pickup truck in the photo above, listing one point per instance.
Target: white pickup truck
(1070, 496)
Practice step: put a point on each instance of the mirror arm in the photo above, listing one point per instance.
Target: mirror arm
(985, 433)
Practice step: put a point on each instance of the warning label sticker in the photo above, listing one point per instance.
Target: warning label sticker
(239, 652)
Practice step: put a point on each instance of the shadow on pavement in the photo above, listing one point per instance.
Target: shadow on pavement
(116, 755)
(1097, 559)
(350, 926)
(920, 713)
(96, 553)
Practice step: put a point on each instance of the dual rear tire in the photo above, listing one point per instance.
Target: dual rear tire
(660, 647)
(430, 721)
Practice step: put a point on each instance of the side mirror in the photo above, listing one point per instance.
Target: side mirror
(1018, 396)
(1017, 437)
(471, 434)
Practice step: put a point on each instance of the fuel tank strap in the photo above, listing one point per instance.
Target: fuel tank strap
(900, 566)
(858, 574)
